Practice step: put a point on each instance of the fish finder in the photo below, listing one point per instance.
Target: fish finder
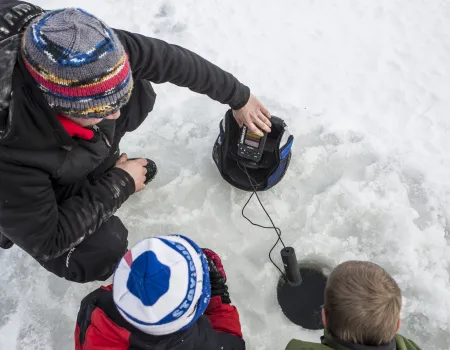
(251, 146)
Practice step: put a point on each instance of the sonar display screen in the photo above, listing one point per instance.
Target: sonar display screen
(252, 140)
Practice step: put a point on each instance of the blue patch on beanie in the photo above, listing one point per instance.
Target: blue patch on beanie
(149, 278)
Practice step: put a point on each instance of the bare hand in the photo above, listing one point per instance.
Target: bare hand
(136, 169)
(254, 115)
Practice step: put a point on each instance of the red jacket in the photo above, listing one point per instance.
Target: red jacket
(100, 326)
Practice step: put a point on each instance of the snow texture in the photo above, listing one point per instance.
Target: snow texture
(364, 87)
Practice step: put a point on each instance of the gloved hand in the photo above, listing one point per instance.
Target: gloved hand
(217, 276)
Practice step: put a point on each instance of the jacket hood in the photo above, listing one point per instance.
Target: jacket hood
(26, 119)
(14, 17)
(8, 58)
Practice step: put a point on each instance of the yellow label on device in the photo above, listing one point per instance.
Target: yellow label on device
(253, 135)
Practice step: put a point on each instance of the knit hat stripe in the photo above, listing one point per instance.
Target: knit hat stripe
(70, 82)
(78, 62)
(203, 302)
(90, 105)
(81, 99)
(91, 108)
(64, 56)
(113, 81)
(37, 58)
(59, 54)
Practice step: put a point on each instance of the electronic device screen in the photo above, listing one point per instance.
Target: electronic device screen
(251, 146)
(252, 140)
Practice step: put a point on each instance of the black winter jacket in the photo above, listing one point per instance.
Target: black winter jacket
(38, 157)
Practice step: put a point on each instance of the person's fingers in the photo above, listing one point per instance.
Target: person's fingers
(145, 170)
(261, 125)
(123, 158)
(142, 161)
(265, 111)
(253, 128)
(264, 119)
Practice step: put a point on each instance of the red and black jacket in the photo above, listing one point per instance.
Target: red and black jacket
(100, 326)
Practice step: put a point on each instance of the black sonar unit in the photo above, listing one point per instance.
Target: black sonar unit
(251, 146)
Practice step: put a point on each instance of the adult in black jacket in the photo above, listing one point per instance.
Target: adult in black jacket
(61, 176)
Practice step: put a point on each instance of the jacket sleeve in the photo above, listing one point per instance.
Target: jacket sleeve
(223, 317)
(31, 218)
(160, 62)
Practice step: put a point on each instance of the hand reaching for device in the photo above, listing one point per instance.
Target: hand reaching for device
(254, 115)
(136, 168)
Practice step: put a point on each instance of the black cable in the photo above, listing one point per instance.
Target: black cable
(277, 229)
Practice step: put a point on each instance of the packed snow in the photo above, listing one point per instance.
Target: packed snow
(363, 85)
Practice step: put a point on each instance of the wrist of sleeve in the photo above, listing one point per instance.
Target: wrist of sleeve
(121, 183)
(241, 98)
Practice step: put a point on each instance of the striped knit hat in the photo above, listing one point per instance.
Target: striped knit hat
(78, 62)
(161, 286)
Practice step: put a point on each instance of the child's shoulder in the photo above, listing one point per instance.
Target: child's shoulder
(402, 343)
(405, 344)
(295, 344)
(100, 297)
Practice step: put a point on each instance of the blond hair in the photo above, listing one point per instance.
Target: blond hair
(362, 303)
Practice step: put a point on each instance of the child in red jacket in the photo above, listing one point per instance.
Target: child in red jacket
(167, 293)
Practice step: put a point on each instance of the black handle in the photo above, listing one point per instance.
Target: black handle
(291, 266)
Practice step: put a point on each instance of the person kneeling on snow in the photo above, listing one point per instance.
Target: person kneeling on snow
(167, 293)
(71, 87)
(361, 311)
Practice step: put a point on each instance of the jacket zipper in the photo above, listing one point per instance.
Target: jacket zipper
(102, 135)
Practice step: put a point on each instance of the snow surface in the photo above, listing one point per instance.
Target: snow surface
(363, 85)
